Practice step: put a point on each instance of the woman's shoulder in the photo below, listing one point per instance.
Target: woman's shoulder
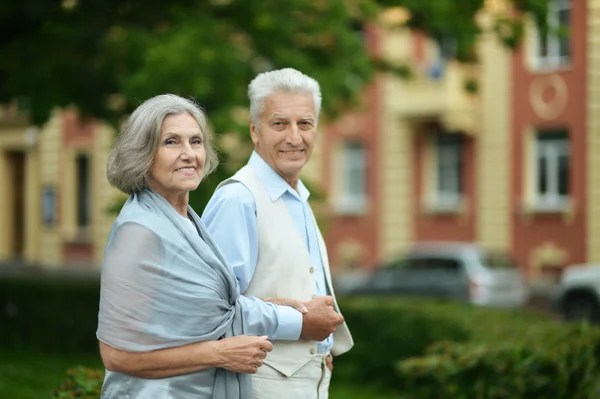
(132, 213)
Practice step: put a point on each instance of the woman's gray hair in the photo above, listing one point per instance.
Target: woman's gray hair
(282, 80)
(135, 147)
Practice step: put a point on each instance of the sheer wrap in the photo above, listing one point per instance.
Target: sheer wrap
(164, 285)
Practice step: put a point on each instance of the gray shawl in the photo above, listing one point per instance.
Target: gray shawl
(164, 285)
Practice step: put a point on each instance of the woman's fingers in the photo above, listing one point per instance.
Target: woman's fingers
(264, 344)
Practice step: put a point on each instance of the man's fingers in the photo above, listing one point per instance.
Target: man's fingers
(328, 300)
(329, 363)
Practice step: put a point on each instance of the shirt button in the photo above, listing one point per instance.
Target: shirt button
(312, 351)
(311, 270)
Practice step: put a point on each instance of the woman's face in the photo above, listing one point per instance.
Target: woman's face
(179, 162)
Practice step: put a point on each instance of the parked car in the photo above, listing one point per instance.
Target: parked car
(462, 271)
(578, 297)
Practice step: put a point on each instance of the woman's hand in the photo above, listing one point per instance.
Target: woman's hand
(243, 354)
(296, 304)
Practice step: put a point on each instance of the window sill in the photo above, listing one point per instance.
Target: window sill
(77, 235)
(541, 69)
(346, 208)
(433, 207)
(564, 208)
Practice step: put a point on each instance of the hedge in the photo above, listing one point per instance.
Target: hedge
(49, 314)
(564, 366)
(418, 348)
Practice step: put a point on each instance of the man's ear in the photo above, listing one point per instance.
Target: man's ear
(253, 133)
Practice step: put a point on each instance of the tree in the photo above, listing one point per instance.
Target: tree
(106, 56)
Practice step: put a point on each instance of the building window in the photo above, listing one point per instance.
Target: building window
(449, 166)
(554, 49)
(353, 198)
(552, 170)
(83, 190)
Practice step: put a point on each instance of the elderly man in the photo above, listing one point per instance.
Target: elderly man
(261, 220)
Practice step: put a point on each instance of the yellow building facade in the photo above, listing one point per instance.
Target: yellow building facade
(55, 199)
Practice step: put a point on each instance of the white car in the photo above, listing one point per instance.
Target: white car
(578, 296)
(449, 270)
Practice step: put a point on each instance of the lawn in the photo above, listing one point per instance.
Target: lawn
(33, 376)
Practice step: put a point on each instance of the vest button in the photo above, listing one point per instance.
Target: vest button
(311, 270)
(313, 296)
(312, 351)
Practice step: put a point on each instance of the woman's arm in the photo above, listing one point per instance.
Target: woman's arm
(242, 354)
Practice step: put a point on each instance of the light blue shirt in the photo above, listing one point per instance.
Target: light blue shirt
(230, 218)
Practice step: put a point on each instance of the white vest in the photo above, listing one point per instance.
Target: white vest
(284, 269)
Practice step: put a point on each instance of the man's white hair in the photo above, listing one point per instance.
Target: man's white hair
(287, 80)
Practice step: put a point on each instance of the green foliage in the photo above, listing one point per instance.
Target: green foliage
(452, 350)
(82, 383)
(49, 315)
(386, 331)
(35, 375)
(455, 20)
(562, 365)
(108, 56)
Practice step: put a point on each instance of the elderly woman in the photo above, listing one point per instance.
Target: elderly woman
(165, 286)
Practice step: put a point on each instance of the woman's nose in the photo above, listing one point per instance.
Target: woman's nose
(187, 152)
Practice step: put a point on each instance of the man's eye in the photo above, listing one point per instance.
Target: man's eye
(197, 141)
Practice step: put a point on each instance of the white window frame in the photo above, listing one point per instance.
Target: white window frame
(352, 197)
(551, 150)
(553, 59)
(449, 158)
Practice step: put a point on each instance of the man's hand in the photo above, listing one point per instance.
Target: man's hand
(329, 362)
(321, 319)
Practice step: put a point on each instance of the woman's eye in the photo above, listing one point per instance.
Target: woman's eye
(170, 141)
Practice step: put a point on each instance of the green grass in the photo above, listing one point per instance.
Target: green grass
(345, 391)
(35, 376)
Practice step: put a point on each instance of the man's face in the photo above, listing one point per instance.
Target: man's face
(286, 132)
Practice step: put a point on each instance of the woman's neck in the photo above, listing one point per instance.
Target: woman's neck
(179, 201)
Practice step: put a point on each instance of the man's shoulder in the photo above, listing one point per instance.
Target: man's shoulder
(234, 192)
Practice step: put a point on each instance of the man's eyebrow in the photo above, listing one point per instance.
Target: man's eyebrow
(304, 118)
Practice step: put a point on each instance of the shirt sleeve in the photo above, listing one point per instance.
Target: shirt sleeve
(230, 218)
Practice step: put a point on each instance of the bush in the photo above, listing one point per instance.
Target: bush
(563, 365)
(449, 342)
(81, 383)
(48, 314)
(385, 331)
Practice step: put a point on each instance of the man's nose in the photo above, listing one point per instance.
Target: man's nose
(294, 137)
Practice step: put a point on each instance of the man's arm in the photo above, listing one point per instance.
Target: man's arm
(230, 218)
(242, 354)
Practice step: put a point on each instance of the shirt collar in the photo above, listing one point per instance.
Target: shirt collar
(275, 185)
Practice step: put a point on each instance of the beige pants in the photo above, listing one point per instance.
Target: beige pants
(310, 382)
